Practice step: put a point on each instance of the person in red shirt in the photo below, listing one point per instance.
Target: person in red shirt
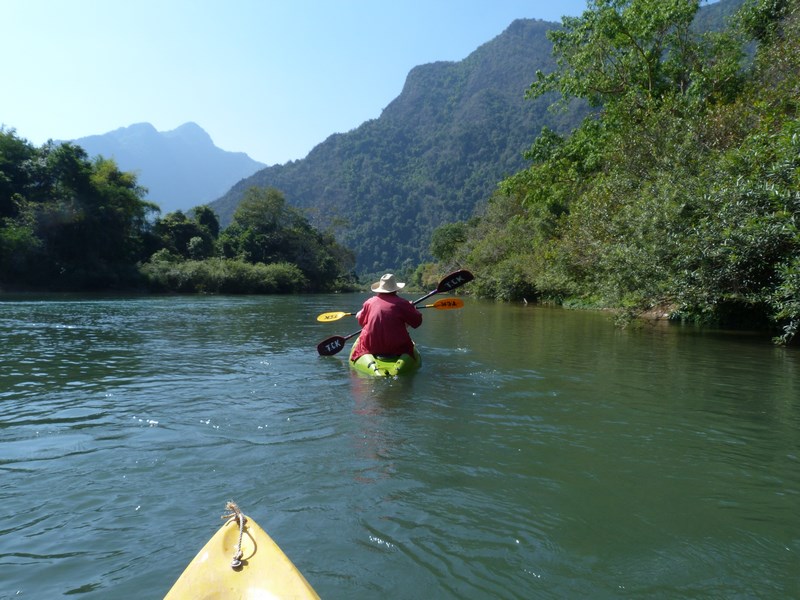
(384, 319)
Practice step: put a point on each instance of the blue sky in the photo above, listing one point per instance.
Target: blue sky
(266, 77)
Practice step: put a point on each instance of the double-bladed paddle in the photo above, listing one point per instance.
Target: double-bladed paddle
(334, 344)
(443, 304)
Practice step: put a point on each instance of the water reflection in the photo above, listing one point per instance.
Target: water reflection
(377, 404)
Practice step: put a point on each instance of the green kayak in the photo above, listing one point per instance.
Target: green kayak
(386, 366)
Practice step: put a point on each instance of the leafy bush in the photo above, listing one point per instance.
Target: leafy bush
(224, 276)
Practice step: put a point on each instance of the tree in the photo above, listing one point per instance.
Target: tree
(120, 215)
(635, 52)
(446, 240)
(185, 237)
(208, 219)
(264, 210)
(15, 176)
(265, 229)
(69, 222)
(760, 19)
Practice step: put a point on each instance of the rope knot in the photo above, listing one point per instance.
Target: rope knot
(236, 515)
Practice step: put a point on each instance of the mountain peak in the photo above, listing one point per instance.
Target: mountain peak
(181, 168)
(190, 131)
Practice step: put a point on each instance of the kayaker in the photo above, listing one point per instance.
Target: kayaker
(384, 319)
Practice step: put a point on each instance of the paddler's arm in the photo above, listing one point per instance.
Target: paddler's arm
(414, 316)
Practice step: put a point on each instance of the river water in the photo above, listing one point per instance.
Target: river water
(539, 453)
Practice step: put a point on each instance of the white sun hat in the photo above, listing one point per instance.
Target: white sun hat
(387, 285)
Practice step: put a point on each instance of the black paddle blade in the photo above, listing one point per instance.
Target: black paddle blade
(454, 280)
(333, 345)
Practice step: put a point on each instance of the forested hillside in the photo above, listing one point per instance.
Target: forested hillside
(680, 195)
(435, 153)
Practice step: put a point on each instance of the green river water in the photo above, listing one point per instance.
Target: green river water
(539, 453)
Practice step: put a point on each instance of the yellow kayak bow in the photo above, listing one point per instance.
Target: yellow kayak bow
(241, 561)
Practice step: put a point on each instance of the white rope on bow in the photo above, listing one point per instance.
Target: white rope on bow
(236, 515)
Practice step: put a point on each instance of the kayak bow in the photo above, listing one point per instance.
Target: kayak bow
(240, 561)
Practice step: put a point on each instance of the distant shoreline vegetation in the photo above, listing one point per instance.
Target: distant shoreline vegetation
(223, 276)
(68, 223)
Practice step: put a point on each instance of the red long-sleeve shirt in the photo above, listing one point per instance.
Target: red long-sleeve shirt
(384, 318)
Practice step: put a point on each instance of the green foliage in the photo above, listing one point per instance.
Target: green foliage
(760, 19)
(224, 276)
(744, 238)
(68, 223)
(785, 301)
(681, 194)
(500, 251)
(15, 171)
(207, 218)
(20, 248)
(266, 229)
(622, 49)
(268, 248)
(446, 239)
(187, 237)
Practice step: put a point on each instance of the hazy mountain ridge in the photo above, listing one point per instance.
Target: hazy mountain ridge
(181, 168)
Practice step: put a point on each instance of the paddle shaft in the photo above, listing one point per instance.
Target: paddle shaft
(333, 345)
(443, 304)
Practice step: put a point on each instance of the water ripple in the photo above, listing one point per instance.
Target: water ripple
(557, 457)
